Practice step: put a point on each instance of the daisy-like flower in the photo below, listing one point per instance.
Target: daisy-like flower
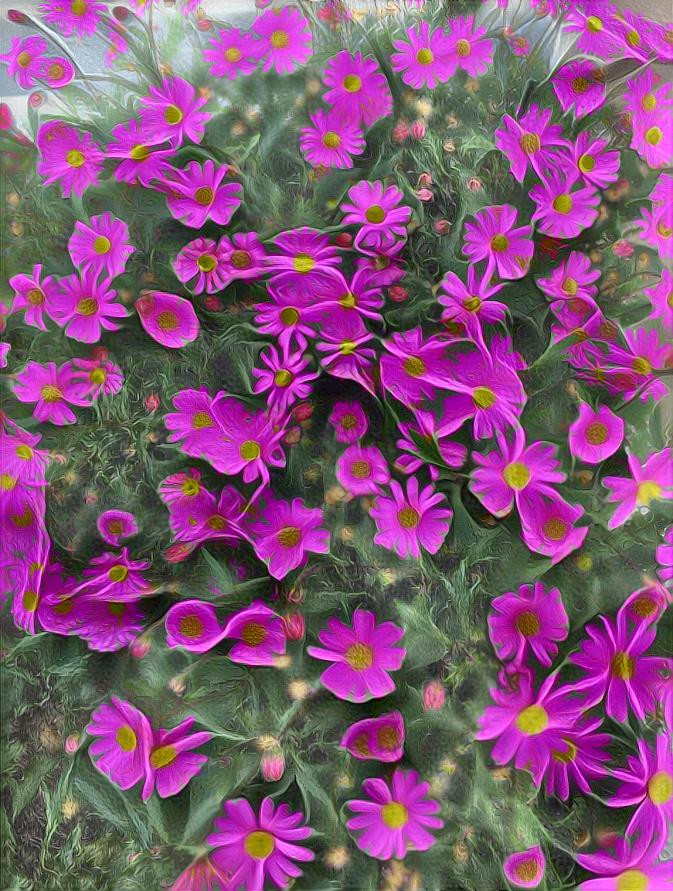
(548, 524)
(106, 626)
(114, 577)
(394, 818)
(35, 295)
(653, 140)
(580, 84)
(589, 159)
(288, 316)
(468, 48)
(167, 318)
(578, 753)
(22, 57)
(69, 156)
(196, 428)
(202, 263)
(95, 377)
(412, 366)
(55, 71)
(197, 193)
(361, 656)
(358, 89)
(632, 864)
(79, 17)
(631, 370)
(142, 158)
(125, 736)
(193, 626)
(656, 228)
(115, 526)
(234, 52)
(285, 36)
(85, 306)
(407, 522)
(616, 668)
(52, 388)
(494, 237)
(645, 97)
(376, 210)
(21, 460)
(525, 869)
(533, 618)
(649, 481)
(171, 112)
(648, 782)
(573, 278)
(362, 470)
(376, 739)
(631, 31)
(170, 763)
(306, 263)
(349, 421)
(331, 140)
(285, 377)
(595, 435)
(289, 532)
(102, 246)
(345, 345)
(243, 256)
(664, 555)
(250, 441)
(594, 23)
(424, 57)
(660, 296)
(646, 604)
(562, 210)
(531, 140)
(260, 635)
(252, 846)
(206, 518)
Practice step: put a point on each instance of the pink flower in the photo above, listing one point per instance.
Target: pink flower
(22, 461)
(125, 737)
(362, 470)
(141, 160)
(250, 441)
(358, 89)
(35, 295)
(394, 818)
(171, 112)
(361, 657)
(660, 296)
(285, 377)
(273, 766)
(331, 141)
(195, 425)
(52, 389)
(95, 377)
(69, 156)
(101, 247)
(196, 194)
(646, 604)
(294, 626)
(21, 60)
(592, 162)
(242, 256)
(468, 48)
(85, 306)
(283, 538)
(412, 366)
(79, 17)
(376, 210)
(170, 764)
(595, 24)
(349, 421)
(580, 84)
(535, 618)
(525, 869)
(595, 435)
(115, 526)
(633, 861)
(577, 753)
(470, 304)
(407, 522)
(571, 289)
(653, 140)
(253, 846)
(260, 635)
(167, 318)
(55, 71)
(306, 264)
(548, 524)
(530, 140)
(193, 626)
(563, 211)
(423, 58)
(347, 349)
(426, 427)
(494, 237)
(115, 577)
(234, 52)
(651, 481)
(202, 262)
(203, 875)
(378, 739)
(285, 37)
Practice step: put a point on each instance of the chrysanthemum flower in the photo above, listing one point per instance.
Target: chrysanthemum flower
(592, 162)
(55, 71)
(69, 156)
(193, 626)
(234, 52)
(197, 193)
(469, 49)
(35, 295)
(331, 140)
(631, 30)
(142, 160)
(170, 764)
(533, 618)
(548, 524)
(632, 863)
(116, 577)
(394, 818)
(595, 435)
(494, 237)
(361, 656)
(407, 522)
(285, 36)
(24, 53)
(645, 97)
(52, 389)
(260, 635)
(287, 534)
(205, 518)
(424, 57)
(202, 263)
(525, 869)
(594, 23)
(193, 425)
(25, 575)
(79, 17)
(125, 737)
(243, 256)
(253, 846)
(306, 263)
(470, 304)
(171, 112)
(115, 526)
(630, 370)
(349, 421)
(85, 306)
(362, 470)
(660, 296)
(358, 90)
(102, 246)
(562, 210)
(250, 441)
(581, 84)
(376, 209)
(653, 140)
(167, 318)
(20, 458)
(286, 378)
(656, 228)
(95, 377)
(376, 739)
(649, 481)
(531, 140)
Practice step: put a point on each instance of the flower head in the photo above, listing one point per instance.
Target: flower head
(197, 193)
(102, 246)
(260, 635)
(349, 421)
(494, 237)
(285, 536)
(469, 49)
(79, 17)
(562, 210)
(534, 618)
(170, 764)
(202, 263)
(171, 112)
(144, 155)
(285, 36)
(595, 435)
(331, 140)
(358, 90)
(124, 739)
(35, 295)
(424, 57)
(93, 378)
(22, 59)
(548, 524)
(362, 470)
(69, 156)
(405, 522)
(115, 526)
(85, 306)
(167, 318)
(378, 739)
(234, 52)
(581, 84)
(649, 481)
(531, 140)
(193, 626)
(525, 869)
(285, 377)
(52, 388)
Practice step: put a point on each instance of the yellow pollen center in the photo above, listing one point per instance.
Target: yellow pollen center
(206, 262)
(527, 870)
(648, 102)
(233, 54)
(50, 393)
(532, 720)
(24, 452)
(425, 57)
(250, 450)
(115, 527)
(163, 756)
(173, 115)
(289, 316)
(55, 71)
(516, 475)
(394, 815)
(204, 196)
(241, 260)
(118, 573)
(201, 419)
(190, 488)
(167, 320)
(361, 744)
(648, 491)
(348, 422)
(126, 738)
(596, 433)
(191, 627)
(30, 601)
(347, 301)
(530, 143)
(259, 844)
(499, 243)
(414, 366)
(102, 245)
(654, 135)
(35, 297)
(331, 139)
(24, 520)
(562, 204)
(348, 347)
(7, 482)
(633, 38)
(359, 656)
(472, 304)
(622, 666)
(644, 606)
(280, 39)
(569, 286)
(527, 623)
(555, 529)
(463, 47)
(217, 522)
(254, 634)
(586, 163)
(632, 880)
(98, 376)
(87, 306)
(139, 152)
(361, 470)
(408, 517)
(642, 365)
(283, 378)
(23, 59)
(375, 214)
(568, 756)
(74, 158)
(660, 787)
(352, 83)
(388, 738)
(663, 230)
(289, 536)
(302, 263)
(579, 84)
(78, 7)
(483, 397)
(594, 24)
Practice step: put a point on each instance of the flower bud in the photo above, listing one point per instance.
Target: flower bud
(298, 690)
(213, 304)
(140, 647)
(152, 402)
(425, 194)
(398, 294)
(72, 743)
(100, 353)
(474, 184)
(424, 181)
(344, 240)
(400, 132)
(337, 858)
(294, 626)
(273, 766)
(302, 411)
(441, 227)
(204, 24)
(177, 552)
(295, 595)
(418, 130)
(177, 684)
(293, 436)
(6, 119)
(433, 696)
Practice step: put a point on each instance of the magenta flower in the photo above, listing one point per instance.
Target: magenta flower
(633, 862)
(535, 618)
(615, 667)
(306, 264)
(125, 737)
(595, 435)
(171, 112)
(202, 263)
(347, 350)
(288, 316)
(234, 52)
(22, 461)
(358, 90)
(349, 421)
(285, 36)
(285, 377)
(660, 296)
(93, 377)
(252, 846)
(577, 753)
(423, 58)
(563, 211)
(79, 17)
(468, 48)
(653, 140)
(413, 366)
(377, 739)
(648, 782)
(525, 869)
(592, 162)
(107, 625)
(199, 519)
(647, 604)
(581, 84)
(167, 318)
(394, 818)
(362, 470)
(362, 657)
(22, 58)
(548, 524)
(260, 635)
(530, 140)
(645, 97)
(193, 626)
(656, 225)
(55, 71)
(115, 526)
(194, 425)
(85, 306)
(115, 577)
(250, 441)
(203, 875)
(287, 534)
(102, 247)
(493, 236)
(243, 256)
(331, 140)
(595, 24)
(52, 389)
(35, 295)
(142, 161)
(571, 290)
(170, 764)
(651, 481)
(665, 556)
(69, 156)
(407, 522)
(425, 426)
(376, 210)
(196, 193)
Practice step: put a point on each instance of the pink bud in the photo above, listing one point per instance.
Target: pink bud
(152, 402)
(90, 498)
(294, 626)
(474, 184)
(433, 696)
(344, 239)
(204, 24)
(418, 130)
(398, 294)
(6, 120)
(273, 766)
(36, 99)
(441, 227)
(424, 180)
(400, 132)
(214, 304)
(424, 195)
(17, 17)
(622, 248)
(121, 13)
(100, 353)
(302, 411)
(140, 647)
(72, 743)
(178, 552)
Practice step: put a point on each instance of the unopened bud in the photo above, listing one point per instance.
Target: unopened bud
(433, 696)
(294, 626)
(273, 766)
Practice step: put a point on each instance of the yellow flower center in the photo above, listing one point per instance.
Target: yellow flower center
(51, 393)
(201, 419)
(660, 787)
(302, 263)
(483, 397)
(254, 634)
(527, 623)
(352, 83)
(414, 366)
(115, 527)
(579, 85)
(56, 71)
(348, 422)
(359, 656)
(654, 135)
(408, 517)
(472, 304)
(663, 230)
(206, 262)
(562, 204)
(289, 316)
(126, 738)
(217, 522)
(118, 573)
(204, 196)
(191, 626)
(167, 320)
(280, 39)
(102, 245)
(648, 102)
(633, 38)
(622, 666)
(425, 57)
(139, 152)
(388, 738)
(250, 450)
(361, 744)
(289, 536)
(375, 214)
(87, 306)
(643, 606)
(241, 260)
(24, 520)
(173, 115)
(586, 163)
(348, 347)
(516, 475)
(594, 24)
(347, 301)
(361, 470)
(24, 452)
(527, 870)
(568, 756)
(499, 243)
(532, 720)
(596, 433)
(35, 297)
(74, 158)
(162, 756)
(632, 880)
(259, 844)
(642, 365)
(648, 491)
(331, 139)
(394, 815)
(463, 47)
(555, 529)
(98, 376)
(233, 54)
(530, 143)
(30, 601)
(7, 482)
(283, 378)
(78, 7)
(190, 488)
(569, 287)
(23, 59)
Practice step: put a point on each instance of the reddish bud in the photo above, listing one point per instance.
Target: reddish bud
(424, 181)
(293, 436)
(90, 498)
(400, 132)
(294, 626)
(474, 184)
(204, 24)
(178, 552)
(302, 411)
(140, 647)
(17, 17)
(6, 119)
(121, 13)
(425, 194)
(72, 743)
(433, 696)
(273, 766)
(344, 239)
(295, 595)
(398, 294)
(100, 353)
(418, 130)
(152, 402)
(441, 227)
(214, 304)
